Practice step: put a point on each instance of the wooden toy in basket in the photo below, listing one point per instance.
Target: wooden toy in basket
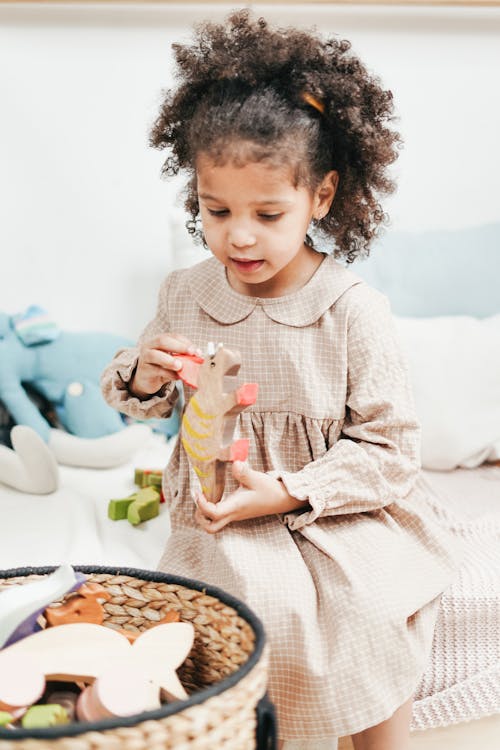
(124, 678)
(223, 679)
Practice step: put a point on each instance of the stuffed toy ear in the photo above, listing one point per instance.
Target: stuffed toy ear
(34, 326)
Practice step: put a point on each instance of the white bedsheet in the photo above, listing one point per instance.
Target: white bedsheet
(462, 680)
(71, 525)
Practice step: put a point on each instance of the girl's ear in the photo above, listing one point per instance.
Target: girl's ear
(325, 193)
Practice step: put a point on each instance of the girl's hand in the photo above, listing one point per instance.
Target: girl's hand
(157, 364)
(258, 495)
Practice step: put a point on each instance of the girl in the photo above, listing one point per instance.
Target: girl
(325, 532)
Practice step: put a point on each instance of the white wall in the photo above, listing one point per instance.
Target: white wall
(84, 224)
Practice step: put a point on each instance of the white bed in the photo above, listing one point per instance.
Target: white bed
(462, 680)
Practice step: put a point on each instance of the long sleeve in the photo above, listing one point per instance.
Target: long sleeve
(118, 374)
(376, 459)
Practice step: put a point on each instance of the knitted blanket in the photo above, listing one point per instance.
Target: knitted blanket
(462, 681)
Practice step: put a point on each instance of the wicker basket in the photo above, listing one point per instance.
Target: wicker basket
(225, 674)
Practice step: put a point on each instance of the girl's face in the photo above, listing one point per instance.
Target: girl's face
(255, 221)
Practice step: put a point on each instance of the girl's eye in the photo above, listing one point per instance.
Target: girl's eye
(221, 212)
(270, 217)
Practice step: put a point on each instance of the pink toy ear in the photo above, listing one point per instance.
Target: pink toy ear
(247, 394)
(239, 450)
(190, 369)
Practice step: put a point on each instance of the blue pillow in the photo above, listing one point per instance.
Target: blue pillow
(431, 273)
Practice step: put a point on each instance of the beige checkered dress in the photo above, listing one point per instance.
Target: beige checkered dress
(347, 588)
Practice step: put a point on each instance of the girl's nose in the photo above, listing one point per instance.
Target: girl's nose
(241, 237)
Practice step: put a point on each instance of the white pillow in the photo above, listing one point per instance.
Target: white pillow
(455, 371)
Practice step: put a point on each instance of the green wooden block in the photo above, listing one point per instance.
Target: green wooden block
(147, 478)
(146, 494)
(118, 508)
(5, 718)
(153, 479)
(145, 506)
(45, 715)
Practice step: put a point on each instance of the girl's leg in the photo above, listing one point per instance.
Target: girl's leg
(391, 734)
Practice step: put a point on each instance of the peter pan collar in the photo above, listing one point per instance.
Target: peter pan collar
(210, 288)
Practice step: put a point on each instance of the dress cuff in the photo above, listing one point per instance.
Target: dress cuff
(157, 404)
(299, 487)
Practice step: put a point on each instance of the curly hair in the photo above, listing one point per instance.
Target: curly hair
(243, 82)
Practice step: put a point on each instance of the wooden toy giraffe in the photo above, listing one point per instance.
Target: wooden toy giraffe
(209, 420)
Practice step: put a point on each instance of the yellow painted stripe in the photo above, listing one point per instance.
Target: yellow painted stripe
(193, 454)
(200, 472)
(198, 410)
(206, 490)
(189, 428)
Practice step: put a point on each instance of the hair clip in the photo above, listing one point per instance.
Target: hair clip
(313, 102)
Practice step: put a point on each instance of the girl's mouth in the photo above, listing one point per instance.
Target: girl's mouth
(247, 266)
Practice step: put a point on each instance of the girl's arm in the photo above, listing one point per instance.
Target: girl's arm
(377, 458)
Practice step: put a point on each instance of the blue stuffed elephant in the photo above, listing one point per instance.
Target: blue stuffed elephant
(65, 368)
(66, 372)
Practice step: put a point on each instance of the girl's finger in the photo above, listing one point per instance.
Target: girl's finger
(209, 510)
(163, 359)
(218, 515)
(245, 475)
(200, 519)
(175, 343)
(208, 525)
(214, 526)
(191, 348)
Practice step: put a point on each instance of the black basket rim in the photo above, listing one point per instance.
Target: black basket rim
(169, 709)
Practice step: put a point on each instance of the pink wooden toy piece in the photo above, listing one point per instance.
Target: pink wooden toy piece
(209, 420)
(191, 364)
(126, 678)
